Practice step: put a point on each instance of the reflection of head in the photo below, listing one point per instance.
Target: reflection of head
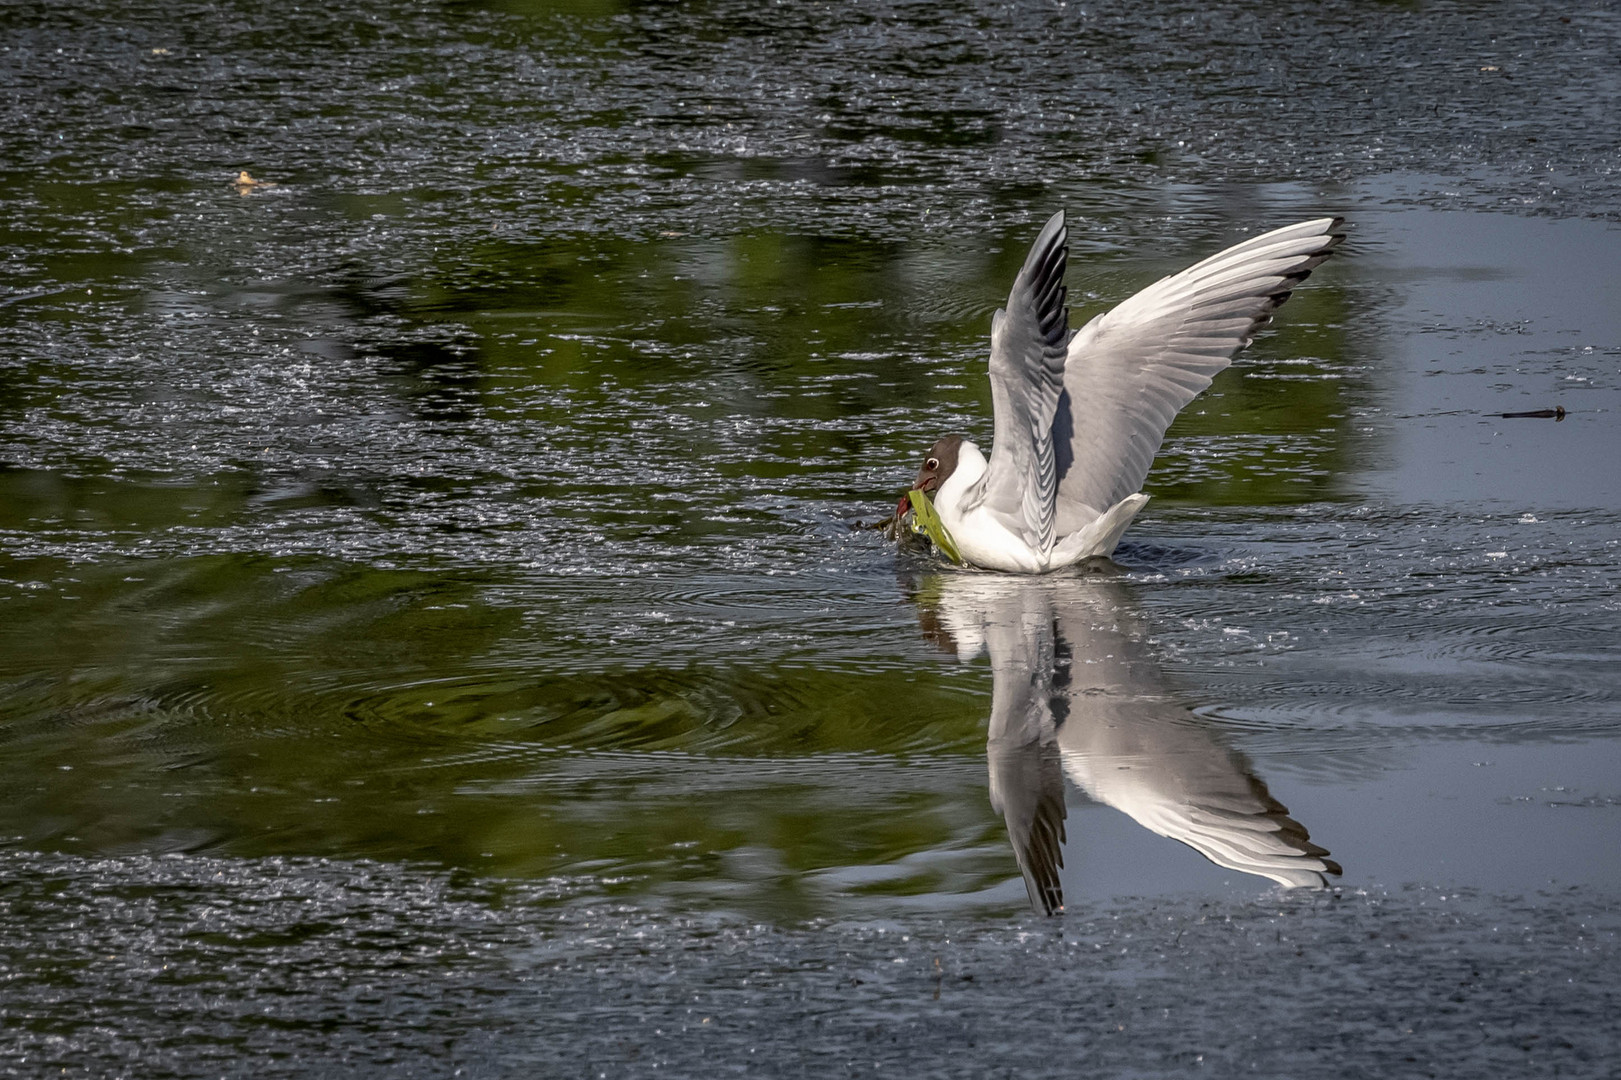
(1076, 691)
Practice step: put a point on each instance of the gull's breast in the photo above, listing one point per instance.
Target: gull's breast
(987, 543)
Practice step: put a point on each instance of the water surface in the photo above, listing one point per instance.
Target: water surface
(625, 628)
(468, 509)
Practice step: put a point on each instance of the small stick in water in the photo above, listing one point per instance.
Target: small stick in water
(1557, 413)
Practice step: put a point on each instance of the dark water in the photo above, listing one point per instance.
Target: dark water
(205, 967)
(430, 596)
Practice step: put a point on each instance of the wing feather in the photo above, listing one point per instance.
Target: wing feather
(1029, 341)
(1132, 369)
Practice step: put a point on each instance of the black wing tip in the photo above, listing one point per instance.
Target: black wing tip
(1045, 887)
(1047, 899)
(1058, 223)
(1045, 268)
(1333, 236)
(1053, 239)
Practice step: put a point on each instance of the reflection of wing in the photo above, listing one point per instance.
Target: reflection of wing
(1128, 744)
(1027, 781)
(1168, 773)
(1121, 738)
(1027, 789)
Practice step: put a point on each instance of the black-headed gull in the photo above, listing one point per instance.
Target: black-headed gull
(1080, 415)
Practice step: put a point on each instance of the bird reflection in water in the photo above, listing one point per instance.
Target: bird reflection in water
(1076, 692)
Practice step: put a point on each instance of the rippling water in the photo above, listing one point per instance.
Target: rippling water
(477, 487)
(488, 608)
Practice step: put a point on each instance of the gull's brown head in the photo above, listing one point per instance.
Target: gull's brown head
(940, 463)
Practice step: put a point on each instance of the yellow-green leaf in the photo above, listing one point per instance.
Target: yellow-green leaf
(926, 520)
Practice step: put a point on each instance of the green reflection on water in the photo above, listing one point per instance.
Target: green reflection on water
(249, 705)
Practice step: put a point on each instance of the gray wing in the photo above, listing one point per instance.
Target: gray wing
(1028, 350)
(1132, 369)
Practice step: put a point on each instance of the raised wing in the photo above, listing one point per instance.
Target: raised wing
(1132, 369)
(1028, 348)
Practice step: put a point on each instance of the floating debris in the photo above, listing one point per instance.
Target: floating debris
(246, 183)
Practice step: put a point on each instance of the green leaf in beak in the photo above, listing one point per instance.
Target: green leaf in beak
(926, 520)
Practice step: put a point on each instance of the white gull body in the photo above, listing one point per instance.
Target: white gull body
(1080, 415)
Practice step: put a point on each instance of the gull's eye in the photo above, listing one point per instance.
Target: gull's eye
(932, 463)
